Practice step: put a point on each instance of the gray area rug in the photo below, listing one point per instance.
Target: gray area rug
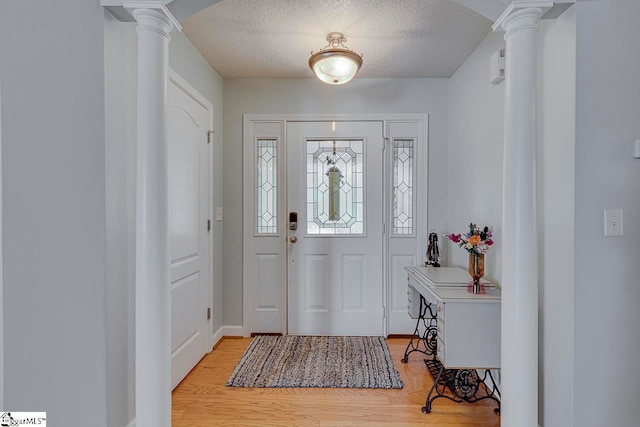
(311, 361)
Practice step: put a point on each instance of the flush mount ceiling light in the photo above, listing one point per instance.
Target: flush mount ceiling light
(335, 64)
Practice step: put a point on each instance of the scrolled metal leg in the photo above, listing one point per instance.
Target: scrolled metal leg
(494, 391)
(464, 385)
(424, 342)
(426, 409)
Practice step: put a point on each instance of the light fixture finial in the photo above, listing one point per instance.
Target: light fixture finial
(335, 63)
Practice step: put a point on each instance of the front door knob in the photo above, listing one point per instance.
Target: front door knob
(293, 239)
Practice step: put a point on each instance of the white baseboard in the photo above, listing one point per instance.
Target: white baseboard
(217, 336)
(132, 423)
(226, 331)
(233, 331)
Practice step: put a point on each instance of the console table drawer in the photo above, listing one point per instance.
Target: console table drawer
(441, 352)
(440, 309)
(413, 302)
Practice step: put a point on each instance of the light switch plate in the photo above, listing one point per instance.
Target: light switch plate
(613, 222)
(218, 214)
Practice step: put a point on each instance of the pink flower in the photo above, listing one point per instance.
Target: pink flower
(455, 238)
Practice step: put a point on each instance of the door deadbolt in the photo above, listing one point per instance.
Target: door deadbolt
(293, 221)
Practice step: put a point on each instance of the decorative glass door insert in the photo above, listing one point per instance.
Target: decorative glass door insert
(335, 187)
(403, 197)
(267, 186)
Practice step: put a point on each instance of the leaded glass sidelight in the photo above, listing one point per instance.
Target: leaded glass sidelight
(267, 186)
(335, 187)
(403, 186)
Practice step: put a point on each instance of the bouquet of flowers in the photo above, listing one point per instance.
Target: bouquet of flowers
(476, 241)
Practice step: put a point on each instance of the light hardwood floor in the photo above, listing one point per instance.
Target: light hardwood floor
(202, 399)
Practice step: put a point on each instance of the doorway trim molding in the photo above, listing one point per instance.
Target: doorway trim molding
(248, 286)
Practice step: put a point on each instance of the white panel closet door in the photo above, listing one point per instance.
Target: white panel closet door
(188, 124)
(335, 266)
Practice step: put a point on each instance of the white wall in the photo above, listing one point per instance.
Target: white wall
(476, 123)
(51, 62)
(310, 96)
(476, 128)
(607, 269)
(120, 148)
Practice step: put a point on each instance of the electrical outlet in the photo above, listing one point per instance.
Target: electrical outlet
(218, 214)
(613, 222)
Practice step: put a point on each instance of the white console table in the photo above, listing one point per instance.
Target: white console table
(458, 329)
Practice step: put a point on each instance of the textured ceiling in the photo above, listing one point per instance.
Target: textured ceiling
(274, 38)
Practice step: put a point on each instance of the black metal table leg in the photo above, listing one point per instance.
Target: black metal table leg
(464, 385)
(494, 390)
(423, 339)
(426, 409)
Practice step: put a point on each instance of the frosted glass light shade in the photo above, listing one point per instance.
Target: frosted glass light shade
(335, 66)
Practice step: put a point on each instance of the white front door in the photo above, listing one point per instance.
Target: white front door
(188, 124)
(335, 259)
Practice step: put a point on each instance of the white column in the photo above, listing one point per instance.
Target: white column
(153, 308)
(520, 250)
